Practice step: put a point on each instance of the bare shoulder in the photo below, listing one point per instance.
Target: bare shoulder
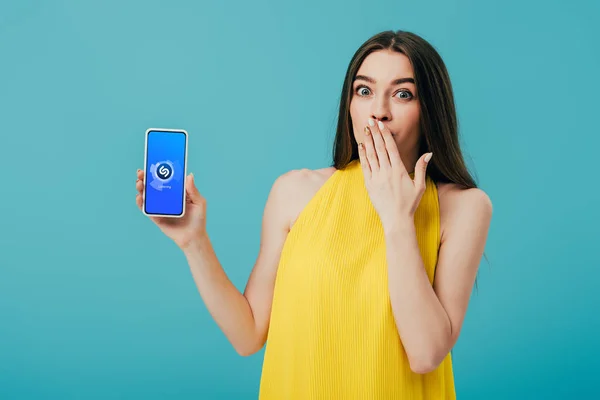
(300, 185)
(458, 204)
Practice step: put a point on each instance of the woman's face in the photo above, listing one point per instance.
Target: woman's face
(384, 90)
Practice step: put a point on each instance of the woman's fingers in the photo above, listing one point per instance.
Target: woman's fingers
(364, 162)
(139, 186)
(379, 144)
(370, 151)
(138, 200)
(391, 148)
(139, 183)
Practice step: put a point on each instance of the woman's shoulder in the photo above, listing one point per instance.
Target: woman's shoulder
(301, 186)
(305, 179)
(455, 201)
(452, 194)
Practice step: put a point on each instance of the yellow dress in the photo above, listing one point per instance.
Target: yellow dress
(332, 334)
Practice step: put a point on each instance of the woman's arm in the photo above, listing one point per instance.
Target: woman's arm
(429, 319)
(244, 318)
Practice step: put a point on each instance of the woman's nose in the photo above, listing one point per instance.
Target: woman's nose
(378, 117)
(380, 112)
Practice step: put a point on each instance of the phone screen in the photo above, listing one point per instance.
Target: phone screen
(165, 172)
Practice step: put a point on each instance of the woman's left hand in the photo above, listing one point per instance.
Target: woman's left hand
(394, 194)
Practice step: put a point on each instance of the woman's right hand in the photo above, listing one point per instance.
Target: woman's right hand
(188, 228)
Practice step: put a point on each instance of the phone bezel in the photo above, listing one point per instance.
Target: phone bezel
(185, 162)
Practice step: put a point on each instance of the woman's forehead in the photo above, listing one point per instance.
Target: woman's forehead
(386, 66)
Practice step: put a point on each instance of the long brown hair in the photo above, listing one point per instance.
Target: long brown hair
(438, 123)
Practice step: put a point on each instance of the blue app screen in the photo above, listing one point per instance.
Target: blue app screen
(165, 162)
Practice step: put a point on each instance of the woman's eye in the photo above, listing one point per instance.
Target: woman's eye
(365, 91)
(361, 90)
(405, 94)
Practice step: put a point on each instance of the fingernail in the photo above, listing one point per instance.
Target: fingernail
(428, 157)
(371, 122)
(367, 130)
(380, 124)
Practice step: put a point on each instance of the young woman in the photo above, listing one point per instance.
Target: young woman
(366, 267)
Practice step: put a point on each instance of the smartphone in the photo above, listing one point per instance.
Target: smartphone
(165, 169)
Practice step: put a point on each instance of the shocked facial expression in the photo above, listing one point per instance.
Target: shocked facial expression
(384, 90)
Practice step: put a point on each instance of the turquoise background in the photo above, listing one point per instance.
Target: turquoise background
(96, 303)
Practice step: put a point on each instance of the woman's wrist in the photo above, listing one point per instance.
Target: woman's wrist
(196, 245)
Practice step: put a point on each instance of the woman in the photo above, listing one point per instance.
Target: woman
(366, 267)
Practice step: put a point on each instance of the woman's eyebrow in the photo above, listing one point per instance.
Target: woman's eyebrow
(394, 82)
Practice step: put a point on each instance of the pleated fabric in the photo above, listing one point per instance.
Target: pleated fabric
(332, 333)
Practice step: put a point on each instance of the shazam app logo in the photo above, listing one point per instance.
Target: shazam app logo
(162, 173)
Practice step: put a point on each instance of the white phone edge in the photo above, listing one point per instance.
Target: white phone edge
(185, 161)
